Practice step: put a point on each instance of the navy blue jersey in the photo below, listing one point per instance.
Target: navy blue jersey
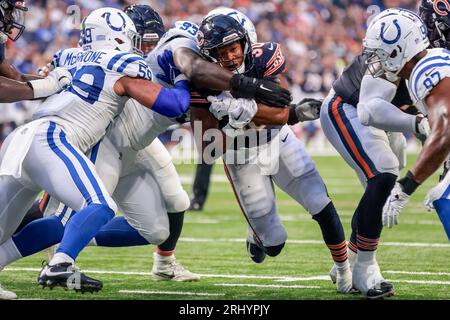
(268, 61)
(2, 52)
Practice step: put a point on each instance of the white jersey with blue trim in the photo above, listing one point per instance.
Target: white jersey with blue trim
(183, 35)
(90, 104)
(426, 74)
(141, 125)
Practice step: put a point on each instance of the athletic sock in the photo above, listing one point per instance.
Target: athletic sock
(39, 235)
(82, 227)
(176, 220)
(332, 232)
(118, 233)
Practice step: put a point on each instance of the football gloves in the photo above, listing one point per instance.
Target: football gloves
(307, 109)
(266, 90)
(398, 199)
(56, 81)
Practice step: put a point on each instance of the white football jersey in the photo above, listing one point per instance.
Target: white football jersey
(141, 125)
(89, 105)
(427, 73)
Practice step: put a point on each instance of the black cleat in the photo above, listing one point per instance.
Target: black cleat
(255, 252)
(66, 276)
(381, 291)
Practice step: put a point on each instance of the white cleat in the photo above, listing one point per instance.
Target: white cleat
(368, 280)
(168, 268)
(351, 259)
(7, 295)
(344, 283)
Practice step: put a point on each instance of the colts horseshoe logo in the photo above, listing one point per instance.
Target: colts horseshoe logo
(107, 16)
(399, 32)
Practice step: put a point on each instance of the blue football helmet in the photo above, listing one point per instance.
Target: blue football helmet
(436, 15)
(220, 30)
(148, 24)
(12, 18)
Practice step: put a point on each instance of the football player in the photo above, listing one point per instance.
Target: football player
(427, 71)
(354, 119)
(50, 150)
(147, 126)
(15, 86)
(224, 41)
(203, 170)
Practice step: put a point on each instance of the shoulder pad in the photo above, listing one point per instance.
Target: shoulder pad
(428, 72)
(131, 65)
(269, 59)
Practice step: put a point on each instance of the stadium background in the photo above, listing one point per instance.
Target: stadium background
(318, 37)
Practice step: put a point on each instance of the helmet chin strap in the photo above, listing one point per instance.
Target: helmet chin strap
(241, 69)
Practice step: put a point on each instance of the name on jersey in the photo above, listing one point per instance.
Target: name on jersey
(88, 56)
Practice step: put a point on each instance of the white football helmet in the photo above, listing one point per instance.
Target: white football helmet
(109, 28)
(392, 39)
(240, 17)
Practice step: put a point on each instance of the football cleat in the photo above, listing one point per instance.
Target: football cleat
(195, 206)
(351, 259)
(255, 252)
(166, 268)
(7, 295)
(344, 283)
(67, 276)
(368, 280)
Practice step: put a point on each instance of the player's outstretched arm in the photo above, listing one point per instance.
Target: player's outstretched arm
(9, 71)
(437, 145)
(168, 102)
(208, 75)
(13, 91)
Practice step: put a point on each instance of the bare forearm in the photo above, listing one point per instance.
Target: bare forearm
(200, 72)
(434, 152)
(12, 91)
(270, 116)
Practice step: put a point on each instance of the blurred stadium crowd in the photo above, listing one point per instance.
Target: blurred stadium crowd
(319, 37)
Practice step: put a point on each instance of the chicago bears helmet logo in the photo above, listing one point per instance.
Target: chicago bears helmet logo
(399, 32)
(107, 16)
(441, 7)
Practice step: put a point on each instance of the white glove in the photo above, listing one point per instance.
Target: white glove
(307, 109)
(45, 70)
(394, 204)
(397, 142)
(221, 104)
(242, 113)
(423, 129)
(434, 194)
(56, 81)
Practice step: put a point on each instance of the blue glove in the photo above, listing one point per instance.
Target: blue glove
(171, 72)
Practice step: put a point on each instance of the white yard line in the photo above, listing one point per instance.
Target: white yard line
(180, 293)
(418, 273)
(275, 278)
(297, 286)
(396, 244)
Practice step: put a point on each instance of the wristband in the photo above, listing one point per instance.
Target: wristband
(408, 183)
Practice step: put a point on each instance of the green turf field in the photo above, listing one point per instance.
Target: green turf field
(415, 255)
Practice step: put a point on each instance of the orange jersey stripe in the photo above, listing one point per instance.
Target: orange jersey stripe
(349, 139)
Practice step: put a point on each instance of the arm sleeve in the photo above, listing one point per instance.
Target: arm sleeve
(375, 108)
